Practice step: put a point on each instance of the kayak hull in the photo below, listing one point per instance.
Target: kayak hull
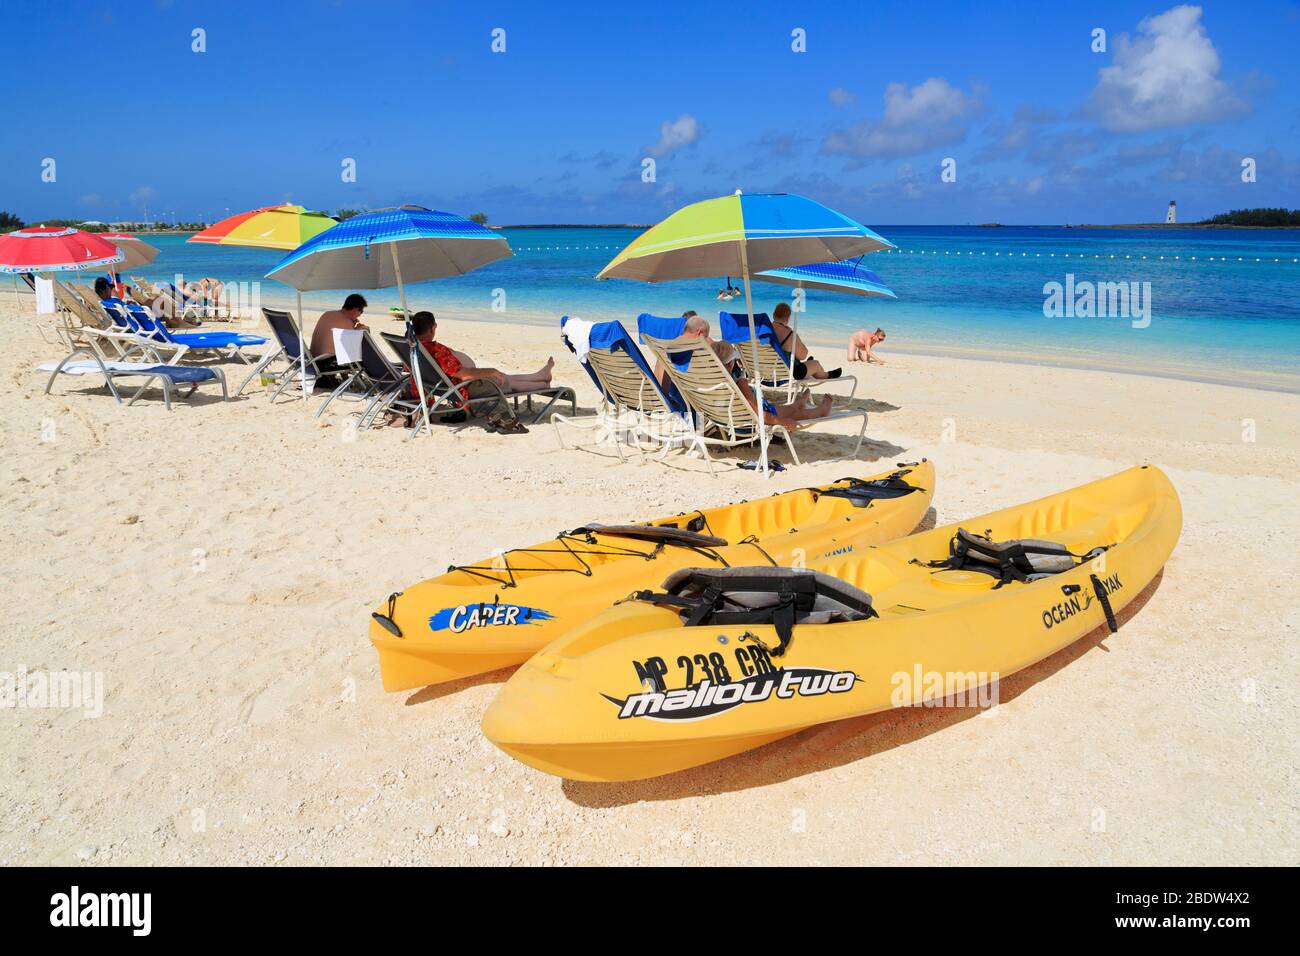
(589, 707)
(501, 611)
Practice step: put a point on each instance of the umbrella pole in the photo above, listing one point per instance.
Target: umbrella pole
(753, 349)
(410, 338)
(302, 351)
(794, 337)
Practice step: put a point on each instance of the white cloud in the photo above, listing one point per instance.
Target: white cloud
(917, 118)
(1168, 76)
(145, 194)
(674, 134)
(842, 97)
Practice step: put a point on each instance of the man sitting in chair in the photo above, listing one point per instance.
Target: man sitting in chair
(801, 409)
(322, 337)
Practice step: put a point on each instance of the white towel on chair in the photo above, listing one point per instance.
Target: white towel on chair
(44, 297)
(347, 346)
(578, 332)
(91, 367)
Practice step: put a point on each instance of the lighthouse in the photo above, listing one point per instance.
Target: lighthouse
(1172, 215)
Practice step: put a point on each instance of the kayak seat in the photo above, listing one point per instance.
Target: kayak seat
(781, 597)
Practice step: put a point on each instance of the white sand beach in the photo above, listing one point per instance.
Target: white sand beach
(217, 565)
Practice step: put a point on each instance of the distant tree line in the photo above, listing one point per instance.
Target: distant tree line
(9, 222)
(1255, 217)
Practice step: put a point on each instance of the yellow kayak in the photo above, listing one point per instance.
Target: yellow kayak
(715, 663)
(500, 611)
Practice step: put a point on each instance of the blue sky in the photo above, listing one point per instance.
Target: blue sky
(1042, 129)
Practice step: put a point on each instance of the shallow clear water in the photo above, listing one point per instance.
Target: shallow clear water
(959, 288)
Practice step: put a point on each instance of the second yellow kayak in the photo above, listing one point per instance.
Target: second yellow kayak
(714, 662)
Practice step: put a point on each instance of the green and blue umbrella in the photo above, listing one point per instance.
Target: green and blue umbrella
(741, 235)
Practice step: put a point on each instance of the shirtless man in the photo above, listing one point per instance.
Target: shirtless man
(348, 317)
(696, 327)
(860, 344)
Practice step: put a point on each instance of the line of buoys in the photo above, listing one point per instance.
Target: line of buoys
(946, 252)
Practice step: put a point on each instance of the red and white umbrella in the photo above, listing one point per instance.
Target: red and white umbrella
(55, 249)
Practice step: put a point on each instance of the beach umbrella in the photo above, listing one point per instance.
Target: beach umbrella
(282, 227)
(739, 235)
(391, 247)
(847, 277)
(54, 249)
(136, 252)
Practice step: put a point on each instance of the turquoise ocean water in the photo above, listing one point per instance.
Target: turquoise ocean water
(1224, 304)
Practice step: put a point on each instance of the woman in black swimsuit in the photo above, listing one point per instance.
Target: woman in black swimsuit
(805, 366)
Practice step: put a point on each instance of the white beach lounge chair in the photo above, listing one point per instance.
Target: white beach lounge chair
(775, 364)
(724, 417)
(86, 361)
(634, 408)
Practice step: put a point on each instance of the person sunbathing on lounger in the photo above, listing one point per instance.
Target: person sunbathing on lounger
(460, 368)
(695, 328)
(322, 337)
(800, 410)
(805, 366)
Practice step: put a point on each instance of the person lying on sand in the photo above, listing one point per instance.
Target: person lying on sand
(860, 343)
(805, 366)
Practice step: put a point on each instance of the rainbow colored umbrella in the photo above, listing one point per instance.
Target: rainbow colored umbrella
(272, 227)
(739, 235)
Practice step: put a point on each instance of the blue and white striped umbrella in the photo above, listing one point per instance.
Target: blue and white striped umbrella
(848, 276)
(390, 247)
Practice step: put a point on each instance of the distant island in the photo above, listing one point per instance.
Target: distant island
(1263, 218)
